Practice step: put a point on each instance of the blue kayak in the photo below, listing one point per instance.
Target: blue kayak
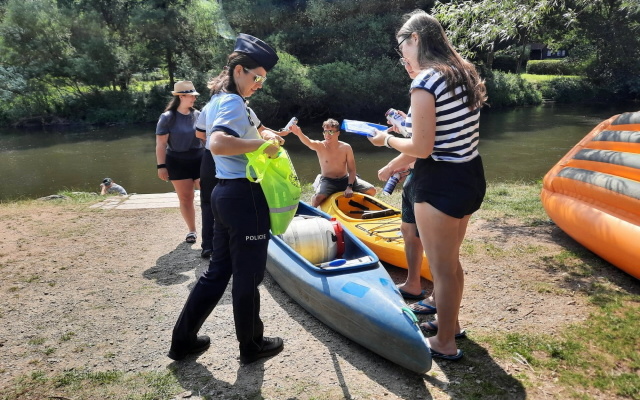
(354, 296)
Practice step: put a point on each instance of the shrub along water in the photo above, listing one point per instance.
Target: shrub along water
(511, 90)
(567, 89)
(338, 89)
(551, 67)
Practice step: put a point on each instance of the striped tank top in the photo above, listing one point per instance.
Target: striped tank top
(457, 127)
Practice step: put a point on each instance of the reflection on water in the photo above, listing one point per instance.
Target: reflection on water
(520, 144)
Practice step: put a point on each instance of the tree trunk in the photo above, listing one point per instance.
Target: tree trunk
(522, 52)
(171, 67)
(490, 55)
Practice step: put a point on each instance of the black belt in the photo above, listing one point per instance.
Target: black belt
(234, 180)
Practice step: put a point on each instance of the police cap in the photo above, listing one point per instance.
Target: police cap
(257, 49)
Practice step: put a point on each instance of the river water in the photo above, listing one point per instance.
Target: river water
(516, 145)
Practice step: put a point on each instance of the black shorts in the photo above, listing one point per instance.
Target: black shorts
(329, 186)
(456, 189)
(185, 165)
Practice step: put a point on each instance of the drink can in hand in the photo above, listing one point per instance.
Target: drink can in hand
(397, 120)
(292, 121)
(391, 183)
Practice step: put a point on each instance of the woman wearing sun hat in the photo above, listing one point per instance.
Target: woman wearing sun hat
(179, 152)
(241, 229)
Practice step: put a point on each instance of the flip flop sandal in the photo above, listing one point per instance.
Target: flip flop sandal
(449, 357)
(430, 327)
(191, 237)
(410, 296)
(426, 309)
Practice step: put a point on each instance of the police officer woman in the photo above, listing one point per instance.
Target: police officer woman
(241, 230)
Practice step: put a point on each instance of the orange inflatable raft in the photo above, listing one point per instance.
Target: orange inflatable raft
(593, 192)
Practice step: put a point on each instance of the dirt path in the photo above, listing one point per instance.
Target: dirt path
(101, 289)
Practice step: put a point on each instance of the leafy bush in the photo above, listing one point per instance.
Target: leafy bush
(362, 91)
(289, 91)
(154, 75)
(508, 90)
(150, 104)
(567, 89)
(96, 107)
(505, 63)
(552, 67)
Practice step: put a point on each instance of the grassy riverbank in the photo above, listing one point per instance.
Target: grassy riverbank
(90, 297)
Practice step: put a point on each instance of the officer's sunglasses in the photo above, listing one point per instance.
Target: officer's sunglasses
(256, 78)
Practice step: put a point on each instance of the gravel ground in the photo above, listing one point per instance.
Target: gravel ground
(101, 289)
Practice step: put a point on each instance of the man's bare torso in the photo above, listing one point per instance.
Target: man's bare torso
(333, 159)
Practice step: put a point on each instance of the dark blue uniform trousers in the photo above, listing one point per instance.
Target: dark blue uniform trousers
(208, 181)
(240, 240)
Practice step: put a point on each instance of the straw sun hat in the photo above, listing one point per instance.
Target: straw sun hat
(184, 87)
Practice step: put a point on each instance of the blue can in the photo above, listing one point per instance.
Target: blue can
(391, 184)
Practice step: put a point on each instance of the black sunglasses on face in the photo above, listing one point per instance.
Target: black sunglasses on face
(397, 48)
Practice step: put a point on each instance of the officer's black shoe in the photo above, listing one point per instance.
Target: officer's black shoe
(270, 347)
(201, 344)
(206, 253)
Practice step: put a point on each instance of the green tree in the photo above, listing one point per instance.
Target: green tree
(610, 29)
(36, 52)
(182, 35)
(104, 38)
(206, 43)
(479, 28)
(36, 38)
(96, 61)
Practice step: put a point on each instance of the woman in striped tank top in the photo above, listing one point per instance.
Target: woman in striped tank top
(449, 185)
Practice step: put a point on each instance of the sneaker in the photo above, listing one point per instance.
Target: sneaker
(270, 347)
(201, 344)
(206, 253)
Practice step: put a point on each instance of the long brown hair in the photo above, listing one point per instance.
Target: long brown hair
(173, 105)
(225, 81)
(435, 51)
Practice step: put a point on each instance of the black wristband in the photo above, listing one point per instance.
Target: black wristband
(162, 166)
(350, 185)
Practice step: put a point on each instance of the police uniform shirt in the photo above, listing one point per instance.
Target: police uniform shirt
(228, 113)
(201, 124)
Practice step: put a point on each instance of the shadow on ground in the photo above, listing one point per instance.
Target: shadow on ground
(590, 269)
(476, 376)
(173, 267)
(197, 379)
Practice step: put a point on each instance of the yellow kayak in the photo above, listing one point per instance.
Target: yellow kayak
(374, 222)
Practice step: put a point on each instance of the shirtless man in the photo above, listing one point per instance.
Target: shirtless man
(337, 164)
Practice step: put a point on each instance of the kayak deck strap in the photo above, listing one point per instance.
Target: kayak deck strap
(375, 203)
(380, 214)
(355, 204)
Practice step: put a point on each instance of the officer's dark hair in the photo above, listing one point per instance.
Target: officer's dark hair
(225, 81)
